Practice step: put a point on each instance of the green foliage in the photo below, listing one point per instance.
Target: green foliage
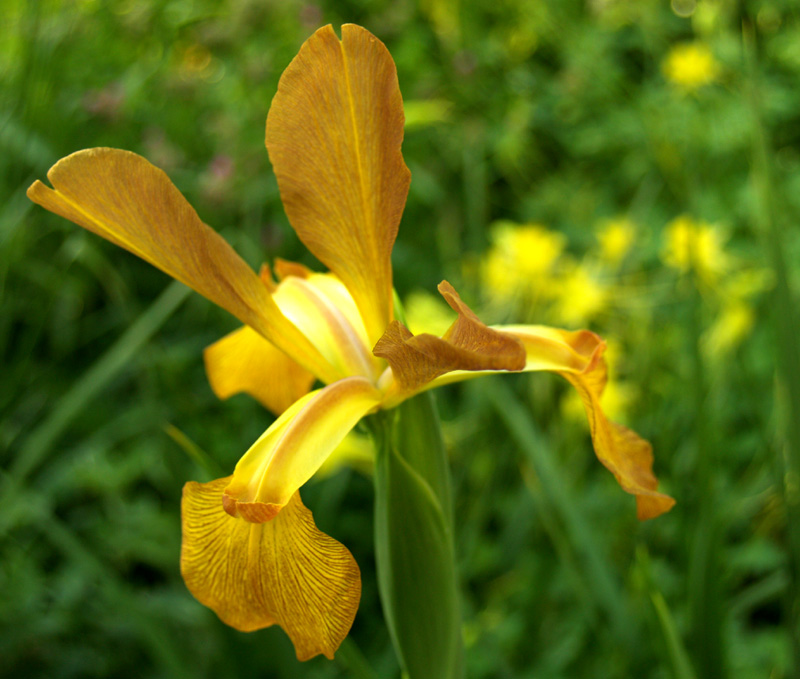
(414, 550)
(555, 112)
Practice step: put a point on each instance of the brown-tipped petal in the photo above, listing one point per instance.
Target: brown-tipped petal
(578, 357)
(284, 268)
(244, 362)
(334, 134)
(123, 198)
(468, 345)
(285, 571)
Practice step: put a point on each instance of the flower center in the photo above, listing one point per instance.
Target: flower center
(323, 310)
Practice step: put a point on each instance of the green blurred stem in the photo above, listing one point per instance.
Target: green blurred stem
(599, 580)
(785, 327)
(352, 659)
(704, 584)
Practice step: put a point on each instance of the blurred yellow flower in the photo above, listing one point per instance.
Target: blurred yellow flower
(520, 261)
(580, 295)
(616, 238)
(733, 323)
(695, 245)
(427, 313)
(690, 66)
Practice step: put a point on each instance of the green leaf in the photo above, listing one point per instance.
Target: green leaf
(417, 576)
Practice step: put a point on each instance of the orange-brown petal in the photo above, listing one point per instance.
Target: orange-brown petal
(284, 268)
(244, 362)
(578, 357)
(126, 200)
(285, 571)
(467, 345)
(334, 134)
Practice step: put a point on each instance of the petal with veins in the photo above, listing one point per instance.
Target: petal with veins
(578, 357)
(334, 134)
(468, 344)
(126, 200)
(284, 572)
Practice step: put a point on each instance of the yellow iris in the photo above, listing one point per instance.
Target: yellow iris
(251, 550)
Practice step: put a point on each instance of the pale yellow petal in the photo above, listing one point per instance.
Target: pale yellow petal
(123, 198)
(244, 362)
(322, 308)
(334, 134)
(295, 446)
(284, 572)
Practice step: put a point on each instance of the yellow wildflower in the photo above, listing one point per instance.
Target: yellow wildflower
(732, 324)
(690, 66)
(616, 238)
(520, 261)
(251, 550)
(695, 245)
(581, 296)
(427, 313)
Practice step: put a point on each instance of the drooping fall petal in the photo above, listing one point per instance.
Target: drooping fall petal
(334, 133)
(578, 357)
(295, 446)
(622, 451)
(468, 345)
(244, 362)
(284, 572)
(126, 200)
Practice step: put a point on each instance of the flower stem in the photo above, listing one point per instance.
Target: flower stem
(414, 550)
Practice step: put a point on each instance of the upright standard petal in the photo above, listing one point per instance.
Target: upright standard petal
(285, 571)
(126, 200)
(468, 345)
(334, 133)
(295, 446)
(244, 362)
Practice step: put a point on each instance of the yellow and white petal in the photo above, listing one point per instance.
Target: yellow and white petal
(334, 133)
(323, 309)
(295, 446)
(244, 362)
(284, 572)
(126, 200)
(468, 345)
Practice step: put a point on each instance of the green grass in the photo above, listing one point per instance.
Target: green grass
(557, 113)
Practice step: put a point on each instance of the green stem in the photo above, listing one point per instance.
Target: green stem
(414, 551)
(704, 591)
(788, 351)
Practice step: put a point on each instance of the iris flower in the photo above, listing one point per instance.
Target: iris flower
(251, 550)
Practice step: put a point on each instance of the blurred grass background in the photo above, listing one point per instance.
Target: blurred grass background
(631, 166)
